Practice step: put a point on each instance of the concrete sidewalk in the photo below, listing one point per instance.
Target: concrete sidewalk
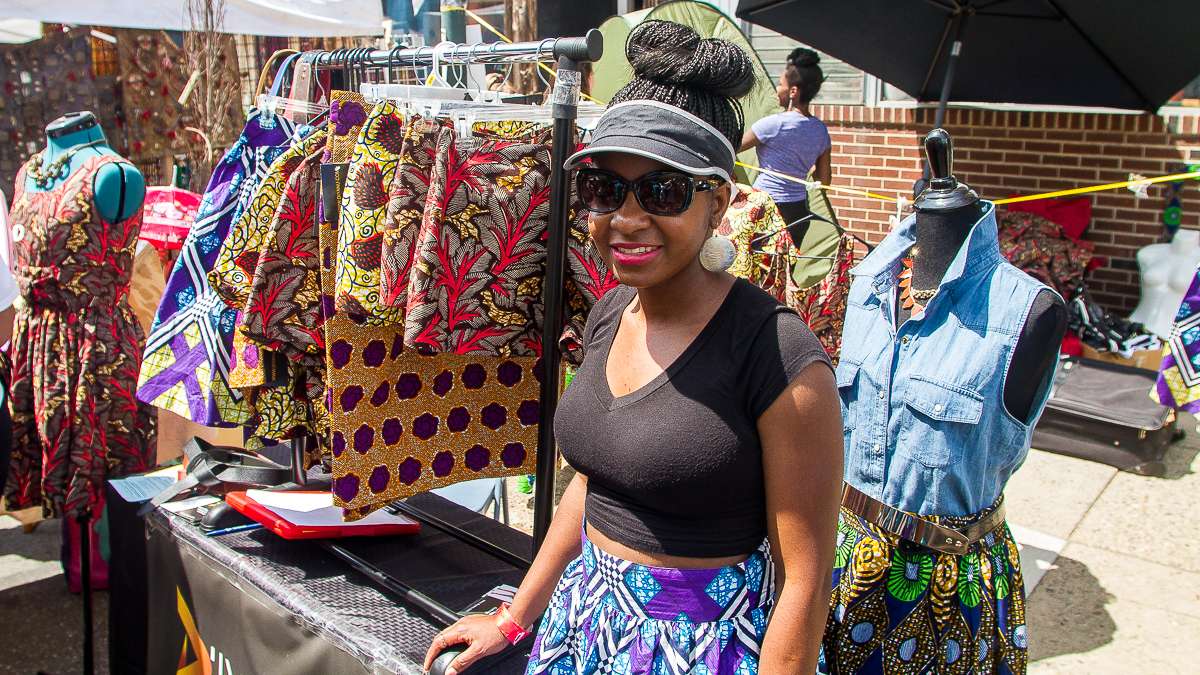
(1112, 563)
(40, 621)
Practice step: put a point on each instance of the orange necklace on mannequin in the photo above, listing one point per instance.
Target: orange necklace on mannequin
(912, 299)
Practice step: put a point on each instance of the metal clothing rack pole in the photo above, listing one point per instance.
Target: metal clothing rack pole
(564, 108)
(577, 49)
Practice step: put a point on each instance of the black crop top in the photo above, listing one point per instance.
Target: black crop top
(676, 466)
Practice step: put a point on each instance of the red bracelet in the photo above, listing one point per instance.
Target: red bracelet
(512, 631)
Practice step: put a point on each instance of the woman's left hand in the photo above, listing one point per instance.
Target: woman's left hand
(478, 632)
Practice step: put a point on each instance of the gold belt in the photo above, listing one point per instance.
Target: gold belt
(918, 530)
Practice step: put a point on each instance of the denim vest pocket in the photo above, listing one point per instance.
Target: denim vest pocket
(944, 416)
(846, 375)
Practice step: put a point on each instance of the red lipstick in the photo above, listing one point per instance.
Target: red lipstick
(630, 255)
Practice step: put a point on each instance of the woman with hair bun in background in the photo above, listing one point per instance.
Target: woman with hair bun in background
(698, 533)
(792, 142)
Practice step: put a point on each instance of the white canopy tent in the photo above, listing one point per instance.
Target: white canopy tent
(16, 31)
(299, 18)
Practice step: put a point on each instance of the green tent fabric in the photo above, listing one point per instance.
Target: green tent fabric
(612, 71)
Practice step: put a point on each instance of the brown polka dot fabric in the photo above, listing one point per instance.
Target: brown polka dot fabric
(406, 423)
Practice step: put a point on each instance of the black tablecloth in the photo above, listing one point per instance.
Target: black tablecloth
(256, 599)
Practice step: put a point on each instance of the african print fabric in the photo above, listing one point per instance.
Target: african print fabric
(1038, 247)
(753, 223)
(1179, 375)
(76, 350)
(278, 407)
(897, 608)
(186, 363)
(237, 259)
(283, 307)
(402, 423)
(608, 615)
(405, 209)
(823, 305)
(475, 285)
(363, 210)
(405, 423)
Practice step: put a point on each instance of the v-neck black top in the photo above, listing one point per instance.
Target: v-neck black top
(675, 467)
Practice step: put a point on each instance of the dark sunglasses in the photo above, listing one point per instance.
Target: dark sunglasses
(661, 193)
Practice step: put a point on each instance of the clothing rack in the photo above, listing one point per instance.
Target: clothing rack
(568, 53)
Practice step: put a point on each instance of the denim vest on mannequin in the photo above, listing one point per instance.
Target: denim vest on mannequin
(925, 426)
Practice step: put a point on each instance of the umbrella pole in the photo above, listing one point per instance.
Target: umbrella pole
(960, 25)
(939, 116)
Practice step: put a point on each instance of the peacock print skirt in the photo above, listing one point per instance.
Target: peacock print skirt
(898, 608)
(609, 615)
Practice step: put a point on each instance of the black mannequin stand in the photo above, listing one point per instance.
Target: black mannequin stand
(85, 571)
(946, 212)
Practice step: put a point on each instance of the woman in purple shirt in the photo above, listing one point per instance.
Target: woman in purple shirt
(792, 142)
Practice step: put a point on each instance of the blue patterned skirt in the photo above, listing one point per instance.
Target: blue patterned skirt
(609, 615)
(898, 608)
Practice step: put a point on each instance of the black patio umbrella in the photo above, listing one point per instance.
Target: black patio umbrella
(1110, 53)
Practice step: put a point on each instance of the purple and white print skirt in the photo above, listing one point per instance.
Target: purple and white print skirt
(609, 615)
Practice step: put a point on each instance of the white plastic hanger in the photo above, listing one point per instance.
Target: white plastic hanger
(435, 73)
(274, 105)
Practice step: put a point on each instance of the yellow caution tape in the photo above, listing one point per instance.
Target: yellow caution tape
(1100, 188)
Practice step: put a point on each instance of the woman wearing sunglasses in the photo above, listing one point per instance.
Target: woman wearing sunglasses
(698, 534)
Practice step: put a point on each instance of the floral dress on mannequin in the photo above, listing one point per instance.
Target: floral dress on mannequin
(76, 350)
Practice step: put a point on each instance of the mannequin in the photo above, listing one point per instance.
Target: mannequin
(1166, 272)
(120, 188)
(75, 220)
(938, 413)
(946, 211)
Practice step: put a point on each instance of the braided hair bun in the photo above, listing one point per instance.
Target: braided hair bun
(802, 57)
(803, 71)
(672, 64)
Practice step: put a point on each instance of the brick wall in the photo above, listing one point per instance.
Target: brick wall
(1006, 153)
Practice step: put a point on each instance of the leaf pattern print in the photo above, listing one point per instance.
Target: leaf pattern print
(237, 260)
(823, 305)
(406, 206)
(283, 311)
(474, 284)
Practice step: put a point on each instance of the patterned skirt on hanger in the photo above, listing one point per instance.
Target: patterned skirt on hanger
(898, 608)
